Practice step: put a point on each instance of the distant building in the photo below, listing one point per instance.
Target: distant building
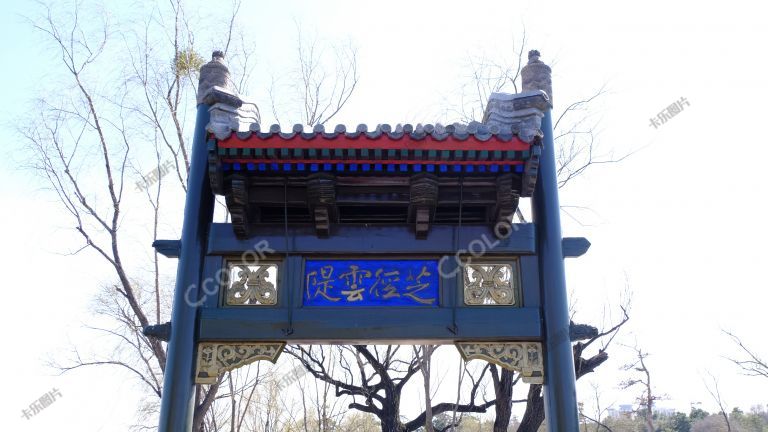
(625, 410)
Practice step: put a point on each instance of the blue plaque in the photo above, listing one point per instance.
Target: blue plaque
(371, 282)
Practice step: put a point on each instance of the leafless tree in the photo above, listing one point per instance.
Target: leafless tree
(423, 354)
(323, 80)
(88, 145)
(750, 362)
(322, 410)
(575, 125)
(487, 76)
(648, 398)
(73, 130)
(575, 135)
(583, 363)
(599, 411)
(374, 378)
(165, 87)
(714, 390)
(504, 382)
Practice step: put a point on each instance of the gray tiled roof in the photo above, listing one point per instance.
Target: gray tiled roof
(507, 116)
(420, 131)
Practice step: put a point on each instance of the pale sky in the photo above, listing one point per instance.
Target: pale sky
(681, 221)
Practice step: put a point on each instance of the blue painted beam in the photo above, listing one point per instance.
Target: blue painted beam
(167, 248)
(158, 331)
(360, 239)
(364, 325)
(574, 247)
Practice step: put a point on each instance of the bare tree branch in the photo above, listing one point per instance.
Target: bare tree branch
(753, 364)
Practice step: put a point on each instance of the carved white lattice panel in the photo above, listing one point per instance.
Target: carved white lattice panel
(490, 284)
(251, 284)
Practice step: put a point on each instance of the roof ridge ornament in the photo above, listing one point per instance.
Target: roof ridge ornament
(214, 74)
(536, 75)
(521, 113)
(229, 111)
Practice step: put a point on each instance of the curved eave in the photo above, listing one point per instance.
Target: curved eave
(380, 153)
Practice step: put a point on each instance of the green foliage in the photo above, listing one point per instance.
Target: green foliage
(468, 423)
(755, 421)
(188, 62)
(621, 423)
(698, 414)
(698, 421)
(442, 421)
(680, 423)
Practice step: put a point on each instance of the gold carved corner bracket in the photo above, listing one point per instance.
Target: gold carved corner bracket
(523, 357)
(214, 358)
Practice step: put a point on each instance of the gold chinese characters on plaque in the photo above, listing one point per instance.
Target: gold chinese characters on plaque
(490, 284)
(251, 284)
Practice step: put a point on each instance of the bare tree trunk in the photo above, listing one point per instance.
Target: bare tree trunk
(534, 410)
(201, 409)
(649, 398)
(390, 412)
(714, 391)
(504, 386)
(426, 371)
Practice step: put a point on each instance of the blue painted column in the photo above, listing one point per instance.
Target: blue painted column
(177, 406)
(560, 404)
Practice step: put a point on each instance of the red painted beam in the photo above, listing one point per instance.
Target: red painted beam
(383, 142)
(371, 162)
